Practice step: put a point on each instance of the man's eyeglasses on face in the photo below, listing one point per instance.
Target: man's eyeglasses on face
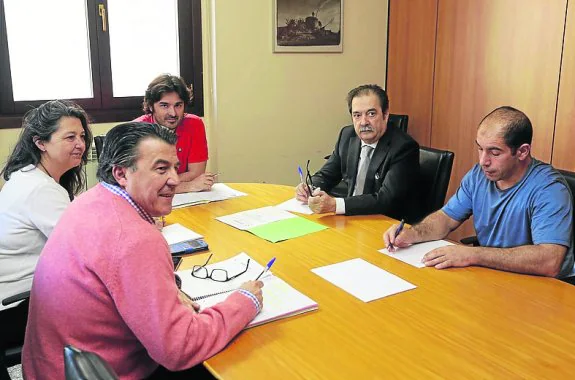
(220, 275)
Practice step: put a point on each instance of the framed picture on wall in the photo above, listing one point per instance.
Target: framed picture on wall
(304, 26)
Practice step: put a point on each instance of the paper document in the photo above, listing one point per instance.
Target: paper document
(252, 218)
(280, 299)
(414, 254)
(286, 229)
(363, 280)
(176, 233)
(294, 205)
(271, 223)
(219, 192)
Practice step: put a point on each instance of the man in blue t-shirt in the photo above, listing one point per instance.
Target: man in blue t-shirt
(522, 208)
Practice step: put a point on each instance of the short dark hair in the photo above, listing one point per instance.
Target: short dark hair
(516, 126)
(163, 84)
(40, 123)
(121, 146)
(367, 89)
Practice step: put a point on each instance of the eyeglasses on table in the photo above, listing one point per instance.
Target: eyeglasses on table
(220, 275)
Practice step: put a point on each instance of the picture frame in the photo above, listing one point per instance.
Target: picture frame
(307, 26)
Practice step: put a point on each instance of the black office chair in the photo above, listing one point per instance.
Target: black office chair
(99, 142)
(434, 170)
(398, 121)
(10, 356)
(84, 365)
(570, 179)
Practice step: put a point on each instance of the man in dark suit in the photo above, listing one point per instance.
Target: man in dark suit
(378, 163)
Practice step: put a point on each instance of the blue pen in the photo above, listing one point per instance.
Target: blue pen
(266, 268)
(397, 232)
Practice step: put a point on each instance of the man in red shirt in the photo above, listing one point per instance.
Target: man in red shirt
(164, 103)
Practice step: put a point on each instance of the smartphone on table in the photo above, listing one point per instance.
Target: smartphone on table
(189, 246)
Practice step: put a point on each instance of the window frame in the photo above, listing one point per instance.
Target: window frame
(103, 107)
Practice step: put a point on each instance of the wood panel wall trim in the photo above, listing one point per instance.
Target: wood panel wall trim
(411, 61)
(564, 133)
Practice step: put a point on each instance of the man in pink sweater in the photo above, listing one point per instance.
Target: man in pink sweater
(105, 282)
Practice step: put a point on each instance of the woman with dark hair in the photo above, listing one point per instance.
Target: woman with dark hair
(43, 174)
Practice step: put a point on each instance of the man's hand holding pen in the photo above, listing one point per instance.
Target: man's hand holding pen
(255, 288)
(320, 202)
(203, 182)
(398, 237)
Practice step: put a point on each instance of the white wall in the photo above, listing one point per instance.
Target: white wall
(271, 112)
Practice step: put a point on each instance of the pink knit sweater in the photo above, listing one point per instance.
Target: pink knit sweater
(105, 283)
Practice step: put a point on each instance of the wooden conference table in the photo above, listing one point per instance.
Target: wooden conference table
(465, 323)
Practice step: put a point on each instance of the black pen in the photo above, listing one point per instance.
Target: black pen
(397, 232)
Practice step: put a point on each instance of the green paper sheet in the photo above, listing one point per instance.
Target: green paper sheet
(286, 229)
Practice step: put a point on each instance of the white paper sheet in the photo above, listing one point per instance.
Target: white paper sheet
(219, 192)
(363, 280)
(294, 205)
(414, 254)
(252, 218)
(280, 299)
(176, 233)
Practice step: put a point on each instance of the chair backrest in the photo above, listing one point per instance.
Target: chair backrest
(83, 365)
(570, 179)
(435, 170)
(99, 142)
(11, 355)
(398, 121)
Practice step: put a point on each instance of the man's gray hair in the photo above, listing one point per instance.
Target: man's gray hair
(121, 146)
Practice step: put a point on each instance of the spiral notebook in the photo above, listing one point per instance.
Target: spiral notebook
(280, 299)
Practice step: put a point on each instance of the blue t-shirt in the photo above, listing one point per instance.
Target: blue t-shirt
(536, 210)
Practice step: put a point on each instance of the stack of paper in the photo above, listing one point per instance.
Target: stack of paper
(413, 255)
(294, 205)
(219, 192)
(280, 299)
(363, 280)
(176, 233)
(271, 223)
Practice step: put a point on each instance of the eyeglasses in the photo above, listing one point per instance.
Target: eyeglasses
(220, 275)
(308, 181)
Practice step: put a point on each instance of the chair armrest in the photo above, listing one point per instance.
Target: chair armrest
(470, 240)
(15, 298)
(86, 365)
